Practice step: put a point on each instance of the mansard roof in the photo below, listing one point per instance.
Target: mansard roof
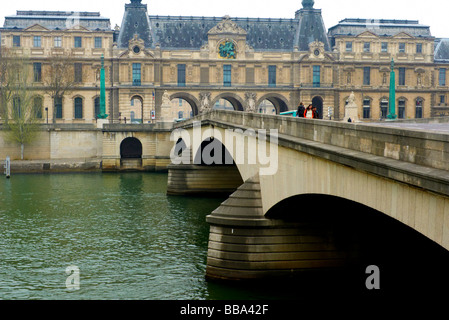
(380, 27)
(57, 20)
(192, 32)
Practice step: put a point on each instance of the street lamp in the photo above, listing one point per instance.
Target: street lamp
(392, 100)
(46, 109)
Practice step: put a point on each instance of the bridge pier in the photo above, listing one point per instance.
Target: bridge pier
(196, 179)
(244, 244)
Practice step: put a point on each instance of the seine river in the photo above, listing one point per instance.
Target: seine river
(130, 241)
(127, 238)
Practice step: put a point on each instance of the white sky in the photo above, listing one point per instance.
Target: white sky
(434, 13)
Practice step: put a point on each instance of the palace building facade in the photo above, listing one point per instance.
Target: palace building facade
(248, 64)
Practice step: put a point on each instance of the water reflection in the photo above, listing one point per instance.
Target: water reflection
(128, 238)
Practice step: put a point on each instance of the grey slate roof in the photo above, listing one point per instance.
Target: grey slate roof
(380, 27)
(54, 20)
(191, 32)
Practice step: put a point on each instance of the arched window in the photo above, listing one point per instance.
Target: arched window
(37, 107)
(419, 108)
(78, 108)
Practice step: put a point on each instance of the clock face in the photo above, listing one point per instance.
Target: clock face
(316, 52)
(136, 49)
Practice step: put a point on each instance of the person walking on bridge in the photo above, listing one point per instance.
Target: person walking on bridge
(309, 112)
(301, 110)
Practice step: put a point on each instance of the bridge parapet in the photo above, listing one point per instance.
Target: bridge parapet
(429, 149)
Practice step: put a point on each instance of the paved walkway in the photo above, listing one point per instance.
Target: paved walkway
(427, 127)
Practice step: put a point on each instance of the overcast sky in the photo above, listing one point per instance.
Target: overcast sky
(434, 13)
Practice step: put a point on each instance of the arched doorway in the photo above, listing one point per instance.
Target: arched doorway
(136, 110)
(318, 103)
(131, 148)
(131, 154)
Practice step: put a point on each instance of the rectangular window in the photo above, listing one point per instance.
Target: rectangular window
(402, 76)
(78, 108)
(384, 47)
(37, 42)
(419, 48)
(367, 76)
(78, 72)
(348, 46)
(137, 74)
(272, 76)
(442, 99)
(16, 41)
(227, 75)
(98, 42)
(37, 71)
(402, 47)
(367, 47)
(316, 76)
(418, 109)
(78, 42)
(181, 75)
(383, 109)
(366, 108)
(58, 42)
(58, 107)
(442, 77)
(401, 109)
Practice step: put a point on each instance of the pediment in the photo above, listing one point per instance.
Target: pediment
(227, 26)
(78, 28)
(36, 27)
(403, 35)
(367, 34)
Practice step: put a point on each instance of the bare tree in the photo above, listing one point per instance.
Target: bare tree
(58, 78)
(8, 59)
(18, 107)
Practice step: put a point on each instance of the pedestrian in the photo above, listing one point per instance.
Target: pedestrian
(316, 114)
(309, 112)
(301, 110)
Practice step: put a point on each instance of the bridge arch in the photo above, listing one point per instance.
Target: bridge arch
(194, 103)
(234, 99)
(279, 102)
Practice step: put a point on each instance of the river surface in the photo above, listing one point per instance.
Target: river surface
(127, 238)
(130, 241)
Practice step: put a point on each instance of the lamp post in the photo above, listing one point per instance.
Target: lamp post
(392, 100)
(102, 114)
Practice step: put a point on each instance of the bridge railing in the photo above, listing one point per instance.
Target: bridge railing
(430, 149)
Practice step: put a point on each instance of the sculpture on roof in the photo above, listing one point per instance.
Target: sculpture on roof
(308, 4)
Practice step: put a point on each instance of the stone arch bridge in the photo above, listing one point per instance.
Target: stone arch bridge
(401, 173)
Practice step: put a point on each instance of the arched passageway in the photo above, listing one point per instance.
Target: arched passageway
(279, 103)
(318, 103)
(186, 103)
(131, 148)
